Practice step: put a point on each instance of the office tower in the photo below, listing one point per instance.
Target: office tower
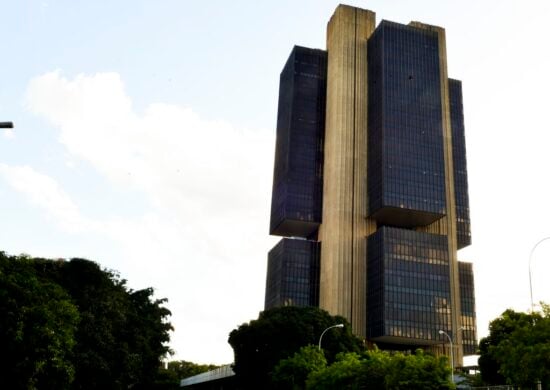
(370, 185)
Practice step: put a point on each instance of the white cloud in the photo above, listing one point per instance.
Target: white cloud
(44, 192)
(203, 240)
(180, 160)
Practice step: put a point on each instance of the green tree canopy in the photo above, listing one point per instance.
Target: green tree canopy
(342, 374)
(418, 372)
(73, 323)
(169, 378)
(38, 322)
(382, 370)
(184, 369)
(292, 373)
(517, 350)
(280, 332)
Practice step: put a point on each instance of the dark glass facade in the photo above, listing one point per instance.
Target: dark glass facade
(297, 180)
(406, 172)
(408, 286)
(293, 274)
(459, 164)
(468, 308)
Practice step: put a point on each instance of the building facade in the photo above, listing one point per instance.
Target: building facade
(370, 185)
(293, 274)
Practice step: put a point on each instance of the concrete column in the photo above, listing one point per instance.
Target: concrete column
(344, 225)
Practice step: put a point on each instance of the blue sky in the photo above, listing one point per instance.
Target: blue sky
(145, 134)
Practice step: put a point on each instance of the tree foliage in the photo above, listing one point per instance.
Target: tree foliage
(418, 372)
(279, 351)
(38, 322)
(381, 370)
(342, 374)
(517, 350)
(78, 326)
(184, 369)
(280, 332)
(292, 373)
(169, 377)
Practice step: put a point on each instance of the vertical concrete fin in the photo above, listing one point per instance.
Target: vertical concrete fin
(344, 227)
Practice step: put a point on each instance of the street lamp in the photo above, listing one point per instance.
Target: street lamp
(324, 331)
(452, 359)
(530, 258)
(6, 125)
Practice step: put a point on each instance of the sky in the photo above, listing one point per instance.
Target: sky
(144, 140)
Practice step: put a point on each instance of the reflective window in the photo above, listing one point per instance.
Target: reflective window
(296, 203)
(293, 274)
(406, 162)
(459, 164)
(408, 284)
(468, 308)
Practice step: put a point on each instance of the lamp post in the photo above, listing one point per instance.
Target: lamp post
(324, 331)
(452, 359)
(6, 125)
(530, 258)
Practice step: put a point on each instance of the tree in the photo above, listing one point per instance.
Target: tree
(71, 323)
(169, 378)
(123, 334)
(418, 372)
(292, 373)
(184, 369)
(38, 323)
(375, 366)
(280, 332)
(517, 350)
(382, 370)
(499, 330)
(342, 374)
